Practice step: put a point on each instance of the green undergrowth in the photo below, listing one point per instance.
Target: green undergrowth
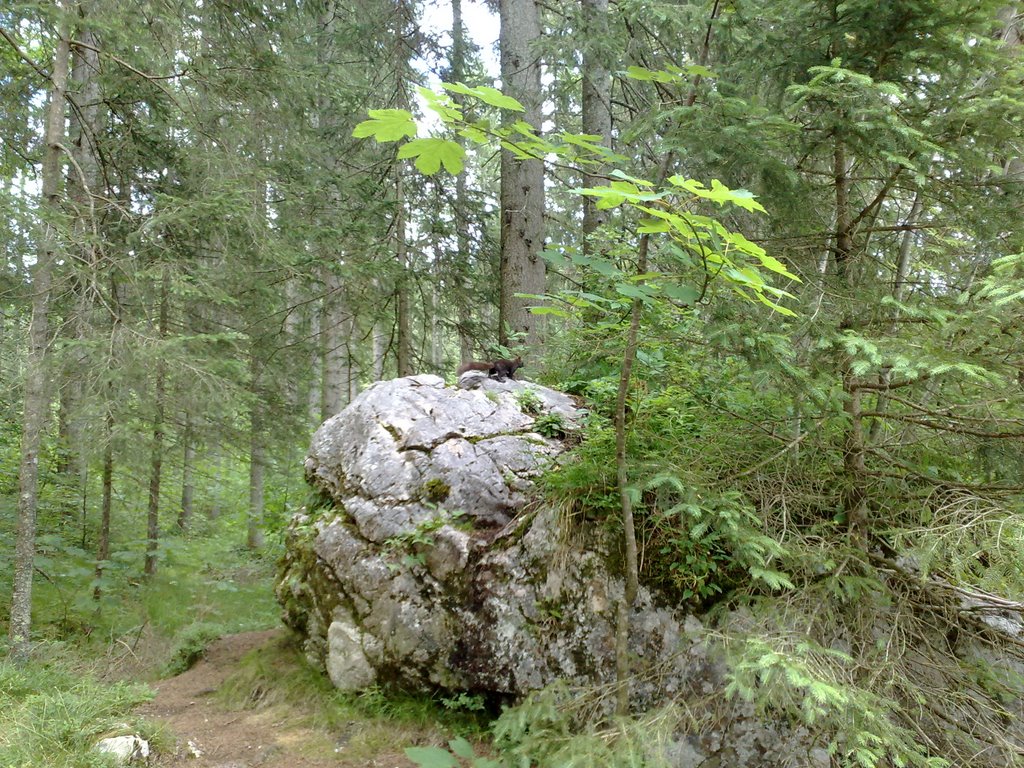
(73, 688)
(558, 726)
(375, 721)
(53, 709)
(206, 584)
(701, 538)
(868, 638)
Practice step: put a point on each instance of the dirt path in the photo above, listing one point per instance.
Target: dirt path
(205, 734)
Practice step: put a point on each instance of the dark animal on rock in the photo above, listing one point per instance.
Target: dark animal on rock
(501, 369)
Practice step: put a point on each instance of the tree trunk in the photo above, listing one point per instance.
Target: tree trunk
(337, 332)
(379, 339)
(522, 181)
(898, 289)
(402, 308)
(434, 330)
(402, 288)
(596, 103)
(157, 456)
(899, 282)
(254, 531)
(632, 576)
(82, 181)
(856, 500)
(315, 406)
(35, 394)
(218, 477)
(103, 545)
(844, 235)
(464, 305)
(293, 342)
(335, 322)
(65, 443)
(632, 568)
(187, 482)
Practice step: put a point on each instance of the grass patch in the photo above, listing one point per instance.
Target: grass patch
(201, 580)
(52, 712)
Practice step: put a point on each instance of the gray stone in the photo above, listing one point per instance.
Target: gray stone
(347, 665)
(125, 749)
(431, 571)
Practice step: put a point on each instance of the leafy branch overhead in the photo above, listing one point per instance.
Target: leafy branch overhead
(670, 209)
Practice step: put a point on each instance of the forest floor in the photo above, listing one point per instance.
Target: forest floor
(262, 730)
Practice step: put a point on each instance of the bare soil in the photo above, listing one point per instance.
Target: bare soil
(203, 733)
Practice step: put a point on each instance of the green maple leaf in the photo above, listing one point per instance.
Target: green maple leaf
(386, 125)
(432, 153)
(486, 94)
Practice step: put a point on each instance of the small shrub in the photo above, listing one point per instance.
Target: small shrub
(702, 544)
(414, 543)
(529, 402)
(464, 702)
(192, 646)
(583, 483)
(550, 425)
(550, 728)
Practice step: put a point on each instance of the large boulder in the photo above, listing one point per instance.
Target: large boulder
(428, 561)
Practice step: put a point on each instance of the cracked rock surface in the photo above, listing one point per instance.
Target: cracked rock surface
(408, 443)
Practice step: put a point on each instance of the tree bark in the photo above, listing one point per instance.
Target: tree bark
(458, 69)
(854, 447)
(293, 342)
(218, 476)
(522, 181)
(402, 304)
(331, 327)
(626, 504)
(632, 569)
(402, 288)
(596, 103)
(315, 406)
(337, 332)
(103, 543)
(844, 235)
(35, 394)
(433, 331)
(854, 453)
(157, 455)
(254, 528)
(898, 290)
(187, 465)
(379, 338)
(82, 181)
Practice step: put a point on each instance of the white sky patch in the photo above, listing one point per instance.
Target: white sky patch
(481, 28)
(480, 24)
